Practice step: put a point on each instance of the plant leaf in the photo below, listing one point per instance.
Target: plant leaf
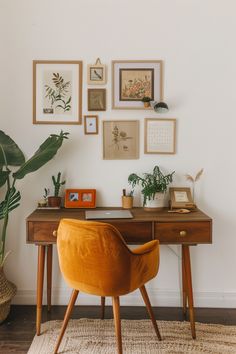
(198, 175)
(189, 178)
(3, 177)
(44, 154)
(10, 153)
(10, 203)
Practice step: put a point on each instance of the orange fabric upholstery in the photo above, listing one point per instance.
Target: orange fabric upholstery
(94, 259)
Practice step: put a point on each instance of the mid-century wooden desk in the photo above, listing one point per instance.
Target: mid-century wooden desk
(180, 229)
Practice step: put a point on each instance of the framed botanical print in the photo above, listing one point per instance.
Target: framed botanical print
(133, 80)
(90, 124)
(96, 99)
(120, 139)
(57, 92)
(96, 74)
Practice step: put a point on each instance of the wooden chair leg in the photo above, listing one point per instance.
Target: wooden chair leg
(49, 276)
(40, 277)
(149, 309)
(184, 291)
(103, 299)
(116, 312)
(66, 318)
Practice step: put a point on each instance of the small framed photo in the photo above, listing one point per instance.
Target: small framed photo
(57, 92)
(120, 139)
(159, 136)
(80, 198)
(132, 80)
(96, 99)
(91, 124)
(96, 74)
(181, 197)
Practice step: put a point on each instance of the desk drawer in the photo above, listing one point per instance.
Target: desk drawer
(183, 232)
(134, 232)
(41, 232)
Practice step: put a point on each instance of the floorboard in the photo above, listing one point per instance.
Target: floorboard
(17, 332)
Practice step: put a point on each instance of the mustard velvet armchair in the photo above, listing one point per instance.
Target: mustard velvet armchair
(95, 259)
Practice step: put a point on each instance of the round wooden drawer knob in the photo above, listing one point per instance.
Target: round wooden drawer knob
(54, 233)
(183, 233)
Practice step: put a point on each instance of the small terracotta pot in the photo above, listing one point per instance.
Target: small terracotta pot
(146, 104)
(54, 201)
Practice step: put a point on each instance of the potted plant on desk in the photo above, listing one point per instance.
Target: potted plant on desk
(11, 155)
(55, 200)
(154, 185)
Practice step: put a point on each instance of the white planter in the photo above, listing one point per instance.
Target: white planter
(158, 202)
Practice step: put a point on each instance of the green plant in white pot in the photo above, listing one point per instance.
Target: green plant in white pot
(12, 156)
(154, 185)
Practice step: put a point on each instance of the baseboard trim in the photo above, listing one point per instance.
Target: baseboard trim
(169, 298)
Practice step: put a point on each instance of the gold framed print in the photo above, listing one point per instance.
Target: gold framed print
(96, 73)
(159, 136)
(96, 99)
(57, 92)
(120, 139)
(181, 197)
(90, 124)
(133, 80)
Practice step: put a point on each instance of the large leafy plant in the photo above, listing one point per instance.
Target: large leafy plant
(11, 155)
(151, 183)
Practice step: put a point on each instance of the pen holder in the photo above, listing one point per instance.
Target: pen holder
(127, 202)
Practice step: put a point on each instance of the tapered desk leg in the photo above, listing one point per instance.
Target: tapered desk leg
(188, 279)
(184, 291)
(40, 275)
(49, 276)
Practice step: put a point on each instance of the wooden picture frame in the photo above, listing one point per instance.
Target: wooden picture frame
(120, 139)
(181, 197)
(159, 136)
(57, 91)
(134, 79)
(96, 73)
(91, 124)
(96, 99)
(80, 198)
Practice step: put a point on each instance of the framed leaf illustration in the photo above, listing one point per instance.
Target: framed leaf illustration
(57, 92)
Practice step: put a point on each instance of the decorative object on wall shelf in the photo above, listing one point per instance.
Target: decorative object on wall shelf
(96, 73)
(96, 99)
(159, 136)
(120, 139)
(132, 80)
(154, 185)
(146, 101)
(80, 198)
(91, 124)
(55, 200)
(180, 197)
(57, 92)
(193, 180)
(160, 107)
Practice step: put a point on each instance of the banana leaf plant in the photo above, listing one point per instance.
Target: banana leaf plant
(11, 155)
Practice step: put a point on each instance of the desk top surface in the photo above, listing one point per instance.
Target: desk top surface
(139, 214)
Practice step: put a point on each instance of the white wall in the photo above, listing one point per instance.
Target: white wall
(195, 39)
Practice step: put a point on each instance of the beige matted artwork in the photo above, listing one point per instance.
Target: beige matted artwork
(120, 139)
(96, 73)
(57, 92)
(133, 80)
(96, 99)
(159, 136)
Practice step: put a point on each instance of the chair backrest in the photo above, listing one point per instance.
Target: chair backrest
(93, 257)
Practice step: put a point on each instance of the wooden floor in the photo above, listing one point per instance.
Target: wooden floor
(17, 332)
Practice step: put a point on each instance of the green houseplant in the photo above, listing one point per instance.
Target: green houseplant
(151, 183)
(11, 155)
(146, 101)
(55, 200)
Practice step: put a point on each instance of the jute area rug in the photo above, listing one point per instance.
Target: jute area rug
(88, 336)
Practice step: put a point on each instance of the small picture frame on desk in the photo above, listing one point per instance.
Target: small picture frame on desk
(181, 197)
(80, 198)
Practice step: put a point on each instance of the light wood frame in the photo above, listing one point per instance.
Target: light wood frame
(96, 73)
(100, 106)
(91, 119)
(120, 139)
(181, 197)
(80, 199)
(166, 126)
(40, 114)
(156, 65)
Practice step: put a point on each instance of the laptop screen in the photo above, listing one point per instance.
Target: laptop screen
(107, 214)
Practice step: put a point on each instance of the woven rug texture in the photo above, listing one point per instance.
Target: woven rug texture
(89, 336)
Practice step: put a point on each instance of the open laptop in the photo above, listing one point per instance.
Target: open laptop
(107, 214)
